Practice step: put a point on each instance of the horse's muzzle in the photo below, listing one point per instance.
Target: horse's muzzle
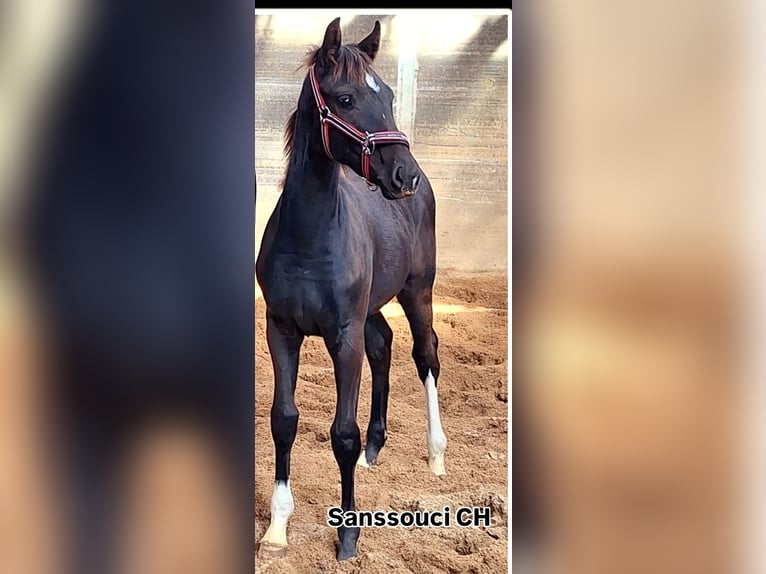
(404, 180)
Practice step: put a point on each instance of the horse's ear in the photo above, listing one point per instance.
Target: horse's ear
(371, 43)
(331, 45)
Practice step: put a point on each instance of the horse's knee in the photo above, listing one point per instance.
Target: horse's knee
(346, 441)
(378, 344)
(379, 353)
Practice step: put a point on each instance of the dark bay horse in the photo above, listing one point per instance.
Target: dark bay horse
(334, 252)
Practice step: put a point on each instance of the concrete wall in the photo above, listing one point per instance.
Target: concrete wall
(450, 74)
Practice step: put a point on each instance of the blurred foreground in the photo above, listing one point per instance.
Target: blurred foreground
(126, 334)
(628, 269)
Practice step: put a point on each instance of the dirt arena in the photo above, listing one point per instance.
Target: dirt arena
(470, 318)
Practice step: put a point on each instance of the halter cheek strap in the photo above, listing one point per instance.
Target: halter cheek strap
(367, 140)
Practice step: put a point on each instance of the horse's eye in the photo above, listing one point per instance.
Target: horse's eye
(344, 101)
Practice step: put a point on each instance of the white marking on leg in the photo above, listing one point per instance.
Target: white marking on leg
(362, 461)
(372, 83)
(282, 507)
(437, 440)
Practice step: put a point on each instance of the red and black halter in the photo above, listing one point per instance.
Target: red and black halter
(367, 140)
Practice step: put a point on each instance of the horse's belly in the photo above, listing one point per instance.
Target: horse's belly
(316, 294)
(388, 280)
(308, 303)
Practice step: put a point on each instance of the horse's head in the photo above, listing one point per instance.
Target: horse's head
(359, 118)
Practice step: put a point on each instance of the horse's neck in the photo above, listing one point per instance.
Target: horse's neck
(310, 200)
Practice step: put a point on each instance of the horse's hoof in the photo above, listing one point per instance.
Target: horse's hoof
(347, 537)
(436, 464)
(366, 460)
(362, 460)
(270, 550)
(345, 553)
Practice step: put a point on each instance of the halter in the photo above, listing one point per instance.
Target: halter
(367, 140)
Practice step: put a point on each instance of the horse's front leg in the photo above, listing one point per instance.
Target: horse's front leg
(284, 345)
(347, 351)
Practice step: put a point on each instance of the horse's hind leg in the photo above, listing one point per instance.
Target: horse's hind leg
(377, 346)
(416, 302)
(284, 346)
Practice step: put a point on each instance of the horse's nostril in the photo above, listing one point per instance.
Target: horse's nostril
(398, 178)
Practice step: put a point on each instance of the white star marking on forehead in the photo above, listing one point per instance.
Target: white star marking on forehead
(372, 83)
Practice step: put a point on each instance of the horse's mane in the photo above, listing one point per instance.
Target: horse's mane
(350, 63)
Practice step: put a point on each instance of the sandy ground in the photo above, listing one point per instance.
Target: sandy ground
(471, 322)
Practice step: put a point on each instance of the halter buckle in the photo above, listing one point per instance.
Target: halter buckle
(368, 144)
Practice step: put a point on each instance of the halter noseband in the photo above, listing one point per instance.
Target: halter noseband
(367, 140)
